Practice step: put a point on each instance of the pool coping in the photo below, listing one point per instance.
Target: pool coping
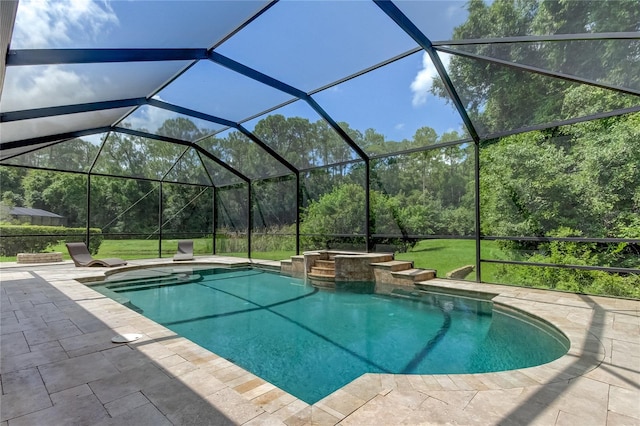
(603, 335)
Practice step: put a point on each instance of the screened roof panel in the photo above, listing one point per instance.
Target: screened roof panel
(134, 156)
(307, 45)
(243, 154)
(73, 155)
(215, 90)
(58, 124)
(496, 104)
(298, 42)
(617, 64)
(387, 106)
(219, 175)
(7, 155)
(301, 136)
(40, 86)
(317, 182)
(585, 16)
(189, 169)
(127, 24)
(436, 19)
(164, 122)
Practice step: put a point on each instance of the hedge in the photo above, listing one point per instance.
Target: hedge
(16, 239)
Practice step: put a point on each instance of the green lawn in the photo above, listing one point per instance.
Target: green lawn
(442, 255)
(145, 249)
(264, 255)
(132, 249)
(446, 255)
(148, 249)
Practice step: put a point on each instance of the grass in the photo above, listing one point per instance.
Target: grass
(446, 255)
(131, 249)
(148, 249)
(442, 255)
(264, 255)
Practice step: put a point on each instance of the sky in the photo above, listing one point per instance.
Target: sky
(306, 44)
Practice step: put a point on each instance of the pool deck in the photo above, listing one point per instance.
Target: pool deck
(59, 367)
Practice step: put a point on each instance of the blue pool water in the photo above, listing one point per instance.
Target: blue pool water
(310, 341)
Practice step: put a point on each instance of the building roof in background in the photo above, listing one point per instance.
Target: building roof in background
(27, 211)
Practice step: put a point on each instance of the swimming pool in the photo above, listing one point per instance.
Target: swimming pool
(311, 342)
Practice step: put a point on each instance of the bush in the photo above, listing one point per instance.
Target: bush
(571, 280)
(275, 238)
(34, 239)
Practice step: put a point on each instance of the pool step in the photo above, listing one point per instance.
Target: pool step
(129, 282)
(140, 283)
(415, 275)
(393, 265)
(293, 266)
(378, 267)
(323, 269)
(272, 266)
(401, 272)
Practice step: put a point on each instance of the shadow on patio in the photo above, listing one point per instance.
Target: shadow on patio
(59, 365)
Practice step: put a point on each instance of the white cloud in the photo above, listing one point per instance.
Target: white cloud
(35, 87)
(399, 126)
(56, 23)
(421, 84)
(149, 118)
(95, 139)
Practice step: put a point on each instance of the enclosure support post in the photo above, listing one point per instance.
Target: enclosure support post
(367, 197)
(298, 203)
(215, 219)
(249, 219)
(88, 235)
(160, 223)
(477, 208)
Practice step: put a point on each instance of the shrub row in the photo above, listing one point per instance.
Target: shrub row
(16, 239)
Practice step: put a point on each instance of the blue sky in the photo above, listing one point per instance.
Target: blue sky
(306, 44)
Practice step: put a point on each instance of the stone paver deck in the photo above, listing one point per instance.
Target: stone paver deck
(59, 367)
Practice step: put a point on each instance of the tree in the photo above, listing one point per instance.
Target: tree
(607, 176)
(290, 137)
(338, 212)
(524, 185)
(5, 213)
(182, 128)
(187, 209)
(494, 94)
(11, 181)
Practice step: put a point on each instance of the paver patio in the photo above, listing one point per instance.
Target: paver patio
(59, 367)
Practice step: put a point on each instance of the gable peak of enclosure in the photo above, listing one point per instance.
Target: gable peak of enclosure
(367, 124)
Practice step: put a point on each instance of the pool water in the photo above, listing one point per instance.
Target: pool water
(311, 342)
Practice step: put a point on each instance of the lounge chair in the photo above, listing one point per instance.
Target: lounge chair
(82, 257)
(185, 251)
